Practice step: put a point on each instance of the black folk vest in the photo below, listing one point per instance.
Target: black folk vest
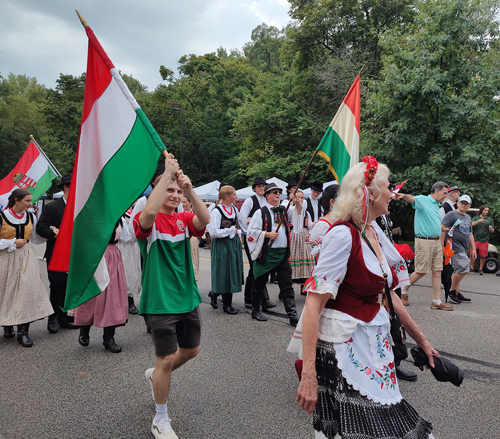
(267, 226)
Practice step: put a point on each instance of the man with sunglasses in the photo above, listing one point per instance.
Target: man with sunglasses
(270, 250)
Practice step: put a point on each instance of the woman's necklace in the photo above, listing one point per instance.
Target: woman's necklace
(16, 215)
(230, 212)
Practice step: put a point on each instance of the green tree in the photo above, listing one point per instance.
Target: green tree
(263, 51)
(21, 101)
(433, 115)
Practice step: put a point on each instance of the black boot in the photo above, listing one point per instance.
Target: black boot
(291, 310)
(8, 332)
(65, 323)
(132, 309)
(405, 375)
(213, 299)
(22, 335)
(84, 337)
(53, 323)
(109, 340)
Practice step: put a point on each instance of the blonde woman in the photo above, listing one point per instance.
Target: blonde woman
(226, 255)
(348, 378)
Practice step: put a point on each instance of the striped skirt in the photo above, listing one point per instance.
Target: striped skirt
(301, 260)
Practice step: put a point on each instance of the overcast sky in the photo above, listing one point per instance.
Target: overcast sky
(43, 38)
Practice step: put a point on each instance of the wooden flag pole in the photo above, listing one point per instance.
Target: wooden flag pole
(85, 25)
(303, 177)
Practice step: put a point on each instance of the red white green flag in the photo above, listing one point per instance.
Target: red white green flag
(33, 172)
(117, 154)
(340, 144)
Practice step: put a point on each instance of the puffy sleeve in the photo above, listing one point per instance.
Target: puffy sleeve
(332, 263)
(255, 235)
(8, 244)
(318, 233)
(297, 219)
(214, 226)
(393, 257)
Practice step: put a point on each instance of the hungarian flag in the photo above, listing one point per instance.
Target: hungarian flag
(340, 144)
(116, 157)
(33, 172)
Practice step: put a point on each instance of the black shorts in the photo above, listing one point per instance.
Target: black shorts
(176, 330)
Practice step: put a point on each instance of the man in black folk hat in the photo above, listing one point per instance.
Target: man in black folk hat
(311, 203)
(48, 227)
(270, 250)
(249, 207)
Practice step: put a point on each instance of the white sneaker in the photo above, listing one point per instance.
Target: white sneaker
(149, 376)
(163, 430)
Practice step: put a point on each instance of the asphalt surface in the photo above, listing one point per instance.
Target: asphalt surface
(243, 383)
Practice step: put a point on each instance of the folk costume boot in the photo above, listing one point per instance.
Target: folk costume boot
(109, 340)
(291, 310)
(84, 337)
(22, 335)
(8, 332)
(132, 309)
(53, 323)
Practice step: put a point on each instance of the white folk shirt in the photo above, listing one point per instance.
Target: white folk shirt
(256, 236)
(245, 211)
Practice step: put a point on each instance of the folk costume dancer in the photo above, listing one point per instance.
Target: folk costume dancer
(348, 379)
(301, 260)
(109, 309)
(261, 231)
(48, 227)
(131, 258)
(169, 291)
(23, 296)
(249, 207)
(226, 257)
(290, 189)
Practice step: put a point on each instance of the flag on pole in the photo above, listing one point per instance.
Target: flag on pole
(116, 157)
(398, 187)
(340, 144)
(33, 172)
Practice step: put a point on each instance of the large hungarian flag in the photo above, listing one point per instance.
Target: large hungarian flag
(33, 172)
(340, 144)
(117, 155)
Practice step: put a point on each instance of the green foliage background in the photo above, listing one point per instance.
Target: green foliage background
(430, 98)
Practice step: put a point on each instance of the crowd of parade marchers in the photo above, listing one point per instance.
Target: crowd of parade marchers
(337, 246)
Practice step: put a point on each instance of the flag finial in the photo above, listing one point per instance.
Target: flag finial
(85, 24)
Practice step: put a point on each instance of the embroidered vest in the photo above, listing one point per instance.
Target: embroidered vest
(18, 231)
(267, 226)
(359, 291)
(225, 222)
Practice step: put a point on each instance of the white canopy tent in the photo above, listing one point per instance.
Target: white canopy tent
(247, 192)
(209, 191)
(307, 192)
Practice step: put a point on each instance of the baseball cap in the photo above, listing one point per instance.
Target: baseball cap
(465, 198)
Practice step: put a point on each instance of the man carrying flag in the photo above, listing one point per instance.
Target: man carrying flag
(170, 295)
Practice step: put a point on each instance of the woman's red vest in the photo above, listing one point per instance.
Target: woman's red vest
(358, 292)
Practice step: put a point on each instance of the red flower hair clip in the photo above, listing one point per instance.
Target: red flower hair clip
(371, 169)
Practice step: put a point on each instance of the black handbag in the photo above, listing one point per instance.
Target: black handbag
(398, 333)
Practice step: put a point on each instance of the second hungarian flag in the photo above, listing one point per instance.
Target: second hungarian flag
(340, 144)
(117, 155)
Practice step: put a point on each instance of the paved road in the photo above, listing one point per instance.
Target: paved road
(243, 384)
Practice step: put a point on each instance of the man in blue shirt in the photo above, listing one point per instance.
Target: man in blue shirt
(428, 241)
